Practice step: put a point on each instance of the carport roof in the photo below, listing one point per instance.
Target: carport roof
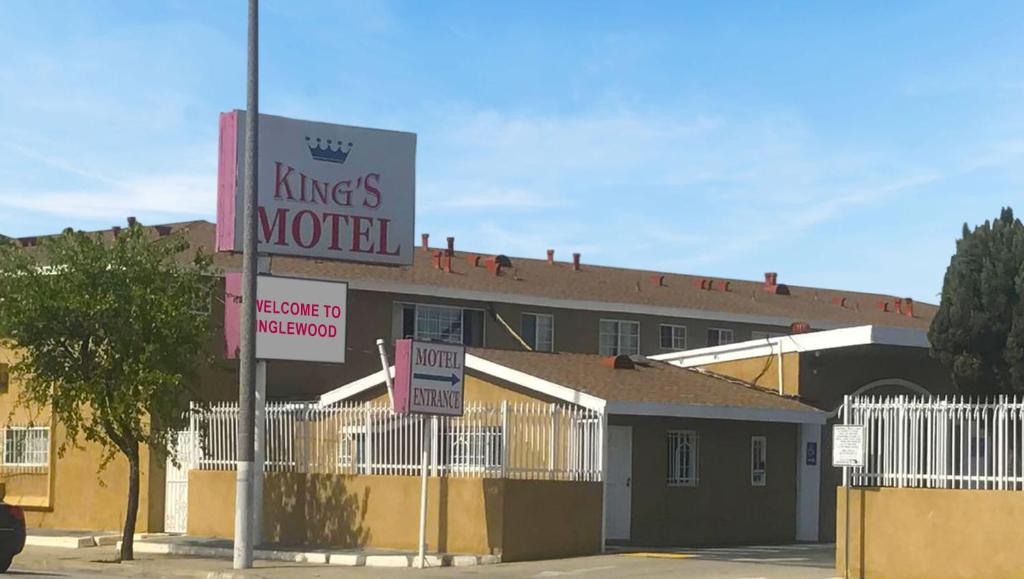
(649, 388)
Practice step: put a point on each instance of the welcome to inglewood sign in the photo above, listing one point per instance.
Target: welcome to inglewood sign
(324, 190)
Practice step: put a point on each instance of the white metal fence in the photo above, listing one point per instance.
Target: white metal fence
(940, 442)
(507, 440)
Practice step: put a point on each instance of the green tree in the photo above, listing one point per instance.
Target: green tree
(110, 332)
(978, 332)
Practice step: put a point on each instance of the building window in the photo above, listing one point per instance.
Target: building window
(719, 336)
(27, 446)
(539, 332)
(619, 337)
(472, 448)
(758, 460)
(443, 324)
(756, 335)
(673, 337)
(351, 448)
(682, 458)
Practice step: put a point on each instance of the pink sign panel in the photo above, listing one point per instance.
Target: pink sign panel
(429, 377)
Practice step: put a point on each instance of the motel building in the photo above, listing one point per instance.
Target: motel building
(602, 406)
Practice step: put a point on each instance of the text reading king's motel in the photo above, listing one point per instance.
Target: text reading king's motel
(325, 190)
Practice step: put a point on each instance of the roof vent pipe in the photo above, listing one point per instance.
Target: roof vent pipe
(551, 257)
(576, 262)
(425, 237)
(451, 246)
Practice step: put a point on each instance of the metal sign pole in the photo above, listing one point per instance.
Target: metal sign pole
(387, 372)
(247, 367)
(846, 487)
(424, 454)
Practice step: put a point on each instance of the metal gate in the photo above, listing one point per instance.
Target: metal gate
(176, 495)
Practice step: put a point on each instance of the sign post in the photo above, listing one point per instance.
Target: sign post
(243, 545)
(429, 380)
(848, 451)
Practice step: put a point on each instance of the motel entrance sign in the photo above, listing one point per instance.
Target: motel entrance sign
(429, 377)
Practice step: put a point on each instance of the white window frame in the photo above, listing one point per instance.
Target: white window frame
(474, 448)
(674, 347)
(536, 330)
(732, 336)
(618, 336)
(399, 323)
(758, 461)
(351, 449)
(42, 456)
(681, 474)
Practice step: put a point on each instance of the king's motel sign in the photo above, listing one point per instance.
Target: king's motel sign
(325, 191)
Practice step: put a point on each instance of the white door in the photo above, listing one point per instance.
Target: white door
(176, 496)
(618, 485)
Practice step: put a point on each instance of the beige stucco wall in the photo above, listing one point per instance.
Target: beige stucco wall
(516, 519)
(764, 371)
(932, 534)
(72, 492)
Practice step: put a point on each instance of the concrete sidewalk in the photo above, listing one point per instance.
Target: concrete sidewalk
(769, 562)
(222, 549)
(185, 546)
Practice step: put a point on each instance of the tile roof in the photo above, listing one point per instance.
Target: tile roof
(650, 381)
(536, 278)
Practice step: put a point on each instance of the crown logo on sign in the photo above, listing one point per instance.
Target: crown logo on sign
(333, 152)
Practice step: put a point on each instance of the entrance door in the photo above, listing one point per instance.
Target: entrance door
(618, 486)
(176, 495)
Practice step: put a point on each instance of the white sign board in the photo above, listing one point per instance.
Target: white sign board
(300, 319)
(326, 191)
(848, 445)
(429, 377)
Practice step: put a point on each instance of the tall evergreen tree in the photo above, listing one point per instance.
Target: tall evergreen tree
(978, 332)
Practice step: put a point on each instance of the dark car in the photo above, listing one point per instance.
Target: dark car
(12, 534)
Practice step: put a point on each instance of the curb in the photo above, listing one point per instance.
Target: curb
(315, 557)
(60, 542)
(81, 542)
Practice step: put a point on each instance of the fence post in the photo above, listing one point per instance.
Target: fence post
(435, 430)
(552, 434)
(367, 439)
(504, 439)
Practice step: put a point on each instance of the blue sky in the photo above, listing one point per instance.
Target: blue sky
(842, 145)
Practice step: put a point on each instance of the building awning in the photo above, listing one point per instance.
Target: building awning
(809, 342)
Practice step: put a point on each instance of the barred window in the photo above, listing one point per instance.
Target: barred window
(758, 461)
(26, 446)
(351, 447)
(475, 447)
(443, 323)
(682, 458)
